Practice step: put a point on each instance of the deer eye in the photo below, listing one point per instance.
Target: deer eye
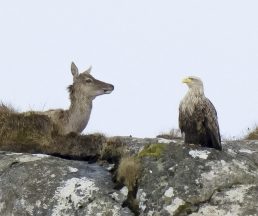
(89, 80)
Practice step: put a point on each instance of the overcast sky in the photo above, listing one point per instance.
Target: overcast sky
(144, 48)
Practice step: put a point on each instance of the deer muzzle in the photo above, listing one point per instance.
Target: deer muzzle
(108, 89)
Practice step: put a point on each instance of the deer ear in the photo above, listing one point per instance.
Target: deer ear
(89, 69)
(74, 70)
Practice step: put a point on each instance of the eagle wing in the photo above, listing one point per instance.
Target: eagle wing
(181, 119)
(211, 124)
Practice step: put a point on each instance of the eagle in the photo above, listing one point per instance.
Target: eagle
(198, 119)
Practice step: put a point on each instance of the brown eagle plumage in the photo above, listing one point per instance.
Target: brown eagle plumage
(198, 117)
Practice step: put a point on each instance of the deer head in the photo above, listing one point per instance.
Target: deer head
(84, 84)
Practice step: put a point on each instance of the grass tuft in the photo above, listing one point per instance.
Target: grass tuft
(172, 134)
(129, 172)
(253, 134)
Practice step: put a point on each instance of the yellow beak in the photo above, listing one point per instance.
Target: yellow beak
(186, 80)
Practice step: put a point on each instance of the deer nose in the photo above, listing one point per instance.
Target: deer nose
(109, 89)
(112, 87)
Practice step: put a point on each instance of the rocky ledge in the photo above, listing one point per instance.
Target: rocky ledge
(45, 185)
(174, 180)
(200, 182)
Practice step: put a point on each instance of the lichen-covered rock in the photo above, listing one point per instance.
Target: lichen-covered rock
(190, 180)
(46, 185)
(237, 200)
(175, 179)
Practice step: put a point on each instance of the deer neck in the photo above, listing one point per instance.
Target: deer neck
(79, 113)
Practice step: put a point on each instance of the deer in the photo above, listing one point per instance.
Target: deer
(83, 91)
(57, 132)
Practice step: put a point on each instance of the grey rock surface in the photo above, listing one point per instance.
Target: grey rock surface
(183, 180)
(190, 180)
(46, 185)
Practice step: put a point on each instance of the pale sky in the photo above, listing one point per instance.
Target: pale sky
(144, 48)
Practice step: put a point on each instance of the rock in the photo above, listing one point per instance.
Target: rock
(237, 200)
(175, 180)
(45, 185)
(190, 180)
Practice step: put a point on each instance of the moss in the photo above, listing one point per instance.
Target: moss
(153, 150)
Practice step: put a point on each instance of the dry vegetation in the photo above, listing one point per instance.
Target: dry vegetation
(27, 131)
(34, 133)
(172, 134)
(129, 171)
(113, 150)
(253, 134)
